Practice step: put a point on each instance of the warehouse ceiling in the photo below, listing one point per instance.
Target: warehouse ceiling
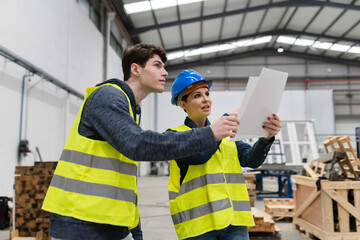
(201, 32)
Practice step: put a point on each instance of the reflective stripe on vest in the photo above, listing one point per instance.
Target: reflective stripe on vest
(93, 189)
(98, 162)
(207, 179)
(202, 210)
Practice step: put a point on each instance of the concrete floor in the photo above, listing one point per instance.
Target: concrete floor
(155, 215)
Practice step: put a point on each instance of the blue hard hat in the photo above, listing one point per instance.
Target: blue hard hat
(185, 79)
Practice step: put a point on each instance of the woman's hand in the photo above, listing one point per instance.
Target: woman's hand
(272, 126)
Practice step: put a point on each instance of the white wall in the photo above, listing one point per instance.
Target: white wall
(58, 38)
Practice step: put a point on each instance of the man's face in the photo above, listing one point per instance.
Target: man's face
(152, 76)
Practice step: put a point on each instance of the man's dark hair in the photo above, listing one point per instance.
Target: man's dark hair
(140, 54)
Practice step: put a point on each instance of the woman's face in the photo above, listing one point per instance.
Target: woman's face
(198, 104)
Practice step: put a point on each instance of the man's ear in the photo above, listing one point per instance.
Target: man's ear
(134, 69)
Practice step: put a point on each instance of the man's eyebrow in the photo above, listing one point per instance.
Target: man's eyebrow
(159, 62)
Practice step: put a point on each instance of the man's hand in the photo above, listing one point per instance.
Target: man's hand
(224, 127)
(234, 112)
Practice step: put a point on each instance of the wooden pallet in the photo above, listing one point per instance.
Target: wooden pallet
(279, 208)
(331, 213)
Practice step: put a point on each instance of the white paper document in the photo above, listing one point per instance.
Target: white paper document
(262, 99)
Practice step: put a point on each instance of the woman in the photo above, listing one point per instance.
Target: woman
(207, 191)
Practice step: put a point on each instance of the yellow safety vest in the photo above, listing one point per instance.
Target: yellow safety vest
(93, 181)
(212, 195)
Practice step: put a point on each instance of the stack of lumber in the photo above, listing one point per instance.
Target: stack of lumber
(251, 186)
(31, 184)
(279, 208)
(264, 226)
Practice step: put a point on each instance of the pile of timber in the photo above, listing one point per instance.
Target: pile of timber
(279, 208)
(264, 226)
(31, 184)
(250, 179)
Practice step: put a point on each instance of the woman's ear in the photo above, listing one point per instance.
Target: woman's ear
(182, 104)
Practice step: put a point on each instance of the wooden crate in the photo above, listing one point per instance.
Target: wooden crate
(331, 213)
(279, 207)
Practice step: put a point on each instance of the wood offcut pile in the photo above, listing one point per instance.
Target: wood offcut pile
(31, 184)
(327, 200)
(264, 226)
(250, 179)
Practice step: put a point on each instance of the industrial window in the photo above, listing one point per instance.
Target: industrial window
(91, 8)
(114, 43)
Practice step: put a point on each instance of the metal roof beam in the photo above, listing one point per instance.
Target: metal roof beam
(289, 3)
(264, 52)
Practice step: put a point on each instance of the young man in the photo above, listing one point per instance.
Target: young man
(93, 193)
(207, 191)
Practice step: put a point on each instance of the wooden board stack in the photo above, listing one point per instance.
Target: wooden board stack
(264, 226)
(31, 184)
(251, 186)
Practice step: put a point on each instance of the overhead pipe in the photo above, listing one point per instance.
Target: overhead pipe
(38, 71)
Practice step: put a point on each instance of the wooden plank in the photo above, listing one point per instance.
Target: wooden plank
(328, 157)
(310, 172)
(303, 180)
(325, 184)
(344, 221)
(357, 206)
(344, 204)
(327, 213)
(309, 227)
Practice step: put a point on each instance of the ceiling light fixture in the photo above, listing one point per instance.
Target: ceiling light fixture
(219, 48)
(280, 50)
(354, 50)
(144, 6)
